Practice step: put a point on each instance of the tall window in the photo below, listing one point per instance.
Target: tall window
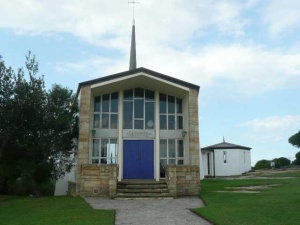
(106, 111)
(225, 157)
(138, 109)
(104, 151)
(170, 108)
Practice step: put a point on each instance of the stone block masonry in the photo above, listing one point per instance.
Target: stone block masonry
(193, 131)
(183, 180)
(97, 180)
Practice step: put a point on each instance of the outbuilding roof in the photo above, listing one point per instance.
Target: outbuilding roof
(225, 145)
(134, 71)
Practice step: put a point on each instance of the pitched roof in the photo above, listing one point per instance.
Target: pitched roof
(225, 145)
(134, 71)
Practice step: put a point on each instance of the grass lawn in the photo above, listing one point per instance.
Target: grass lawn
(277, 206)
(51, 210)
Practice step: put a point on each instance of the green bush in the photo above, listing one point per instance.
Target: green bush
(282, 161)
(297, 160)
(262, 164)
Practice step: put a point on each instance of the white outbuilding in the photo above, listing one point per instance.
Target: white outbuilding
(225, 159)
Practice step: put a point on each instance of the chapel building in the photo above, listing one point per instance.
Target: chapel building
(137, 125)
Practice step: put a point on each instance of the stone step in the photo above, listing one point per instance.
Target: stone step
(144, 190)
(142, 195)
(141, 186)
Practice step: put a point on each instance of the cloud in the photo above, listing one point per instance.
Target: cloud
(237, 69)
(282, 16)
(100, 22)
(272, 128)
(169, 39)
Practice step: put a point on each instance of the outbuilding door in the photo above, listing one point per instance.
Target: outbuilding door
(138, 159)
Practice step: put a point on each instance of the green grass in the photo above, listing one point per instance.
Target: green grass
(51, 210)
(277, 206)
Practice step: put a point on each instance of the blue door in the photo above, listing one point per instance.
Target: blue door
(138, 159)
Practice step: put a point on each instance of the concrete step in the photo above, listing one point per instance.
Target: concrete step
(143, 190)
(143, 196)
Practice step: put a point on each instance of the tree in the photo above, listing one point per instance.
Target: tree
(7, 85)
(38, 131)
(282, 161)
(297, 160)
(295, 140)
(262, 164)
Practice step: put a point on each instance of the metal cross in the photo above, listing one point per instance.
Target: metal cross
(133, 3)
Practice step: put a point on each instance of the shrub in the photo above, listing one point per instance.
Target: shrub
(297, 160)
(282, 161)
(262, 164)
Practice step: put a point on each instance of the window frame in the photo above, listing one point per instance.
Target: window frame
(108, 115)
(177, 114)
(98, 157)
(177, 158)
(144, 98)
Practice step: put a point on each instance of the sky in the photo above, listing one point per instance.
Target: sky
(244, 55)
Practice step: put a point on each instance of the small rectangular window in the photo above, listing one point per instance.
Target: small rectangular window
(139, 108)
(97, 104)
(149, 115)
(180, 148)
(225, 157)
(163, 149)
(138, 124)
(95, 148)
(114, 102)
(171, 104)
(105, 103)
(179, 122)
(149, 95)
(128, 115)
(179, 105)
(95, 161)
(96, 120)
(163, 122)
(105, 121)
(139, 93)
(128, 94)
(114, 121)
(162, 103)
(172, 148)
(171, 122)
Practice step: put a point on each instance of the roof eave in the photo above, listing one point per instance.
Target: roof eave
(138, 70)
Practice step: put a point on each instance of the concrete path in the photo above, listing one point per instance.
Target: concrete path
(152, 211)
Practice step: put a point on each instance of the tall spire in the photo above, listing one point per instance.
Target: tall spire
(132, 62)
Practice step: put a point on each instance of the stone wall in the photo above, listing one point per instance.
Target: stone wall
(84, 129)
(97, 180)
(183, 180)
(193, 132)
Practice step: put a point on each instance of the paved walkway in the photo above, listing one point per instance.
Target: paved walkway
(152, 211)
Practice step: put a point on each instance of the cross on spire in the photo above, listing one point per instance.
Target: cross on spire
(133, 2)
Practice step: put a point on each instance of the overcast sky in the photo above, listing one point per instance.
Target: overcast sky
(245, 55)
